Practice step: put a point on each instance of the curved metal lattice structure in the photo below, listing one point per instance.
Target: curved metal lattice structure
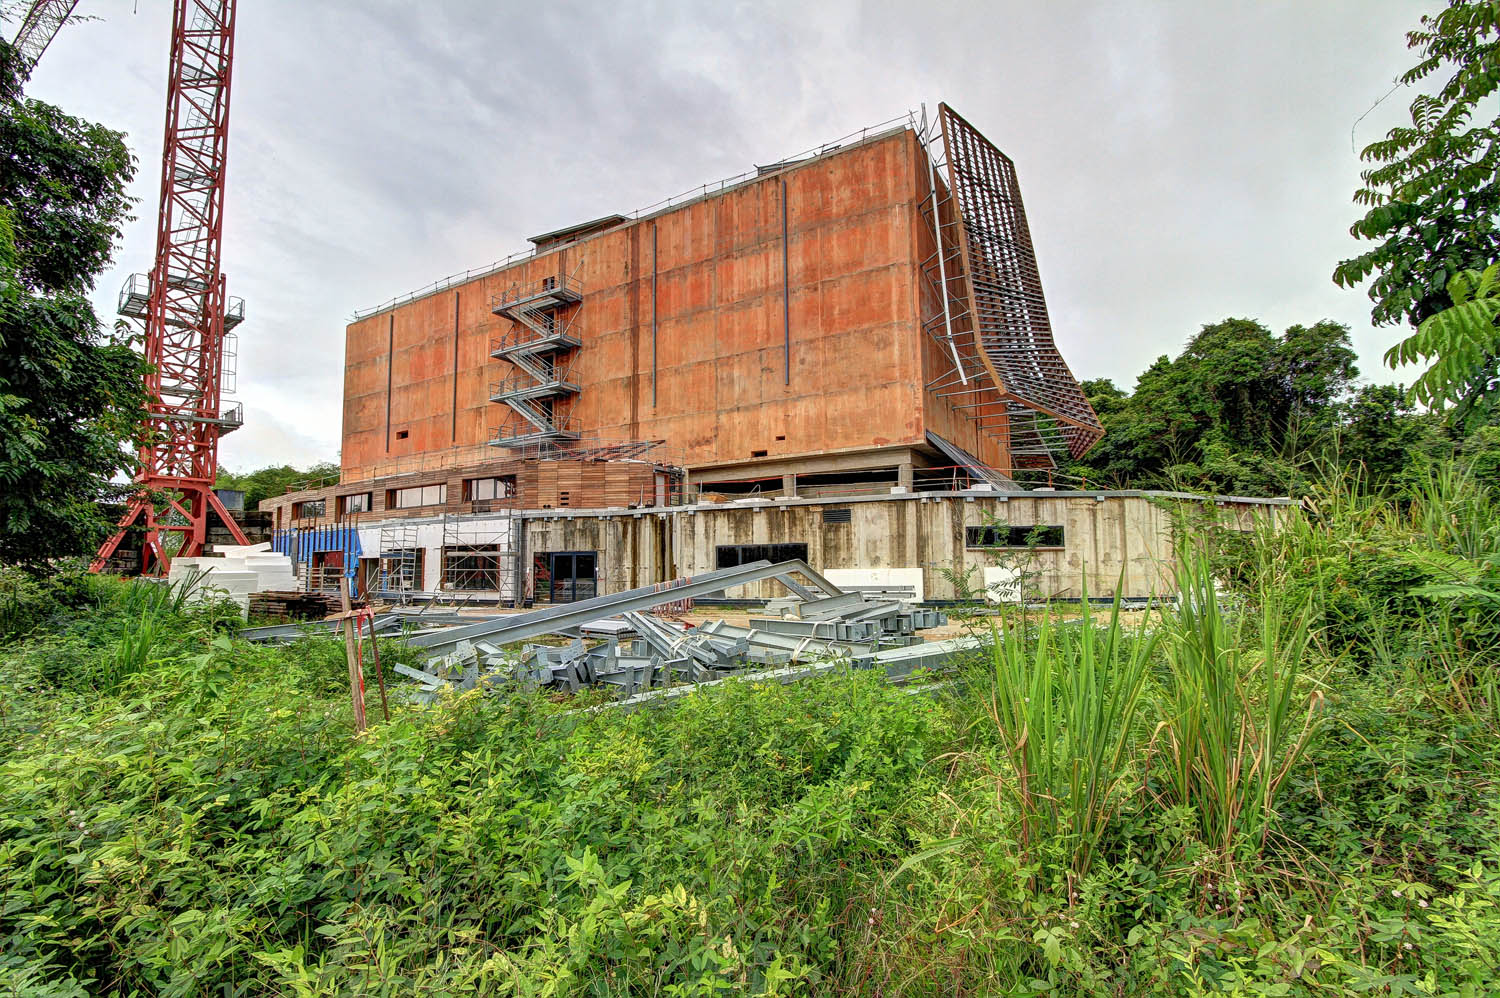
(1006, 307)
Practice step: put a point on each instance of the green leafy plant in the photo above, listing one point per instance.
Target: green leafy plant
(1431, 194)
(1235, 717)
(1460, 345)
(1063, 702)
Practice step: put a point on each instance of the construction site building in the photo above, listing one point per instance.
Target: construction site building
(864, 323)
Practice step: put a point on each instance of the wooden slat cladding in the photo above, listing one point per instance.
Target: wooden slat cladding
(538, 485)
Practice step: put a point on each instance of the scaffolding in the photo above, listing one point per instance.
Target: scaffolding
(482, 557)
(947, 319)
(1004, 290)
(399, 569)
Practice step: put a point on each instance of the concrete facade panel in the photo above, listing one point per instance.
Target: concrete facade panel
(725, 384)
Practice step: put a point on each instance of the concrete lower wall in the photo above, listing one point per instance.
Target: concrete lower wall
(1111, 541)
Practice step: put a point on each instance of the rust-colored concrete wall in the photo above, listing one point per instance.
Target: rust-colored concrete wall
(721, 392)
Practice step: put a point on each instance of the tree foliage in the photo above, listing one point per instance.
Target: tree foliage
(276, 480)
(1235, 412)
(1433, 193)
(69, 397)
(1461, 345)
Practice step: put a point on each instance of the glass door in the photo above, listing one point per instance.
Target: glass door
(566, 576)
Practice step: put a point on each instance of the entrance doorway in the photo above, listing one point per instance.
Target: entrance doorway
(565, 576)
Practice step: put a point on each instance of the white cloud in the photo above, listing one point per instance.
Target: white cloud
(1181, 162)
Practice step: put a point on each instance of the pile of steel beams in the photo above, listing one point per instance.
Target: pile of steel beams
(640, 653)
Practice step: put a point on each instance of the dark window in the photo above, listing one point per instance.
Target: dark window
(357, 503)
(1001, 536)
(401, 434)
(565, 576)
(489, 488)
(548, 283)
(474, 569)
(731, 555)
(308, 508)
(417, 495)
(845, 515)
(758, 453)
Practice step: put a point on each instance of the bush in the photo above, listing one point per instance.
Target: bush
(1283, 788)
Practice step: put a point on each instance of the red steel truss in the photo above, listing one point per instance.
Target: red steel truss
(184, 310)
(1007, 312)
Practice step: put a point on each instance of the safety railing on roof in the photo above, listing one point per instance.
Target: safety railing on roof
(907, 120)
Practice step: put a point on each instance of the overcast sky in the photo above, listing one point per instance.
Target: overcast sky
(1181, 161)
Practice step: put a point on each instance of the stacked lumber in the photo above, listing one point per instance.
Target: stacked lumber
(289, 605)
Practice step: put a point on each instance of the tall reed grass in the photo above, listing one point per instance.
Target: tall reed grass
(1238, 706)
(1063, 703)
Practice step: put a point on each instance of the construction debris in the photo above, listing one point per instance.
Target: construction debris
(640, 652)
(234, 572)
(293, 605)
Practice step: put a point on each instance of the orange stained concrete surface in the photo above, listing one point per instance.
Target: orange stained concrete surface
(738, 366)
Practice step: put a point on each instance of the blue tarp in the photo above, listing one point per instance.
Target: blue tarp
(300, 544)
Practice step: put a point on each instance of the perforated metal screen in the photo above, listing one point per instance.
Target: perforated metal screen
(1005, 288)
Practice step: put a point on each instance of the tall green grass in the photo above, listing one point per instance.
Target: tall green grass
(1238, 706)
(1063, 703)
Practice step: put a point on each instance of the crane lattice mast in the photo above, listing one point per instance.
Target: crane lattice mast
(43, 20)
(183, 304)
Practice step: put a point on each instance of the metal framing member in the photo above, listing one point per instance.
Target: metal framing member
(38, 28)
(480, 554)
(937, 232)
(553, 619)
(949, 321)
(398, 561)
(898, 664)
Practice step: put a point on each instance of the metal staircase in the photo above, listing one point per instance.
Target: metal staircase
(541, 346)
(134, 299)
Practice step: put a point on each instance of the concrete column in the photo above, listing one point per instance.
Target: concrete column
(904, 476)
(789, 485)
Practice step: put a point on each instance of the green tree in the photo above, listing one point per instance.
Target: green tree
(70, 396)
(1433, 195)
(1382, 433)
(276, 480)
(1461, 345)
(1240, 410)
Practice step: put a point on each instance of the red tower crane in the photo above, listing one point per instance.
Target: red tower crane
(182, 303)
